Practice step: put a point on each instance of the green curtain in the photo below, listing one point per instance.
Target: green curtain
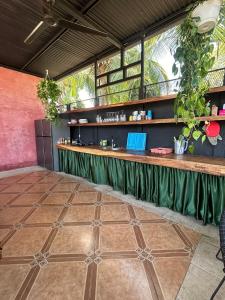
(190, 193)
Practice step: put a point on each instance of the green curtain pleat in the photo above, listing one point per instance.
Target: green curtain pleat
(190, 193)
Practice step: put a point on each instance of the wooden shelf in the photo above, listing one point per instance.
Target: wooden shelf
(147, 122)
(124, 104)
(137, 102)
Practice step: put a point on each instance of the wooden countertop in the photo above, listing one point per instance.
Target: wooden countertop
(202, 164)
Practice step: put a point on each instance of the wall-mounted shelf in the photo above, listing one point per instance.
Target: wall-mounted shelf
(137, 102)
(147, 122)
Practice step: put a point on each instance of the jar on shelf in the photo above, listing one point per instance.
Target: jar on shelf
(214, 110)
(123, 116)
(149, 115)
(143, 114)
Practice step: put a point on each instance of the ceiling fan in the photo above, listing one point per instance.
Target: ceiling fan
(49, 20)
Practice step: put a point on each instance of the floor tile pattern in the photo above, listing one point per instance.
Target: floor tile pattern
(62, 239)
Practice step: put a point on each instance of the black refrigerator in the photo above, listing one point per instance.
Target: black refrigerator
(47, 134)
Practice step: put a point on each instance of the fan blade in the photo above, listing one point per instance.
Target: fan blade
(36, 32)
(81, 28)
(47, 6)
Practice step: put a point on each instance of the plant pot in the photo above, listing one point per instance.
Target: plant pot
(208, 13)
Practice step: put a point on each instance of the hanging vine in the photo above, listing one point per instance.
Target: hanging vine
(194, 59)
(48, 91)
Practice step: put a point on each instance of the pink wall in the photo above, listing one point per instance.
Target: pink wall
(19, 107)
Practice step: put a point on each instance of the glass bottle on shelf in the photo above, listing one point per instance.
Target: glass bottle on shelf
(123, 117)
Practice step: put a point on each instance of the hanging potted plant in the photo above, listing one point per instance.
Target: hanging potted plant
(193, 59)
(48, 91)
(206, 15)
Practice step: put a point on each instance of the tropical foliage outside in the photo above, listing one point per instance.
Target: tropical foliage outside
(158, 62)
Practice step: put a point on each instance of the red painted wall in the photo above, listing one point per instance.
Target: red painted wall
(19, 107)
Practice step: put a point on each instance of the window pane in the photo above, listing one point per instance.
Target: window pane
(135, 70)
(109, 64)
(159, 56)
(158, 62)
(132, 54)
(120, 92)
(217, 77)
(116, 76)
(78, 86)
(102, 80)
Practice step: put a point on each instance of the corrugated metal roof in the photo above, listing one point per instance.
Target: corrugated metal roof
(121, 18)
(75, 48)
(125, 17)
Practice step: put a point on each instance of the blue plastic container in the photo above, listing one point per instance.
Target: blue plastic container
(136, 141)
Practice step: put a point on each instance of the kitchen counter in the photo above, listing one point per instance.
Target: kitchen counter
(202, 164)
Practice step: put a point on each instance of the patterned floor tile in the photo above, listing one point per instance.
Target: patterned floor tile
(3, 233)
(39, 174)
(45, 215)
(54, 174)
(114, 213)
(85, 197)
(57, 198)
(11, 179)
(117, 238)
(69, 179)
(3, 187)
(79, 243)
(85, 188)
(12, 215)
(29, 179)
(109, 198)
(80, 214)
(142, 214)
(78, 239)
(161, 236)
(192, 235)
(17, 188)
(5, 198)
(40, 188)
(49, 179)
(171, 273)
(12, 277)
(26, 241)
(122, 279)
(60, 281)
(27, 199)
(65, 187)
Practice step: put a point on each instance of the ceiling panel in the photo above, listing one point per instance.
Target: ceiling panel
(75, 47)
(59, 50)
(126, 17)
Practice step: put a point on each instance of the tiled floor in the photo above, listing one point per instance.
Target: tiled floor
(62, 239)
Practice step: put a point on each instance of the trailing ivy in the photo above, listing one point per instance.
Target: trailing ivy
(194, 59)
(48, 91)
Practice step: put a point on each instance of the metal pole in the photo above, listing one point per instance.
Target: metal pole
(122, 63)
(96, 93)
(141, 95)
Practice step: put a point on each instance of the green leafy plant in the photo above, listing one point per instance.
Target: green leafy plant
(193, 58)
(48, 91)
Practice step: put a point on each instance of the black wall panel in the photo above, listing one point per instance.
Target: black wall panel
(159, 135)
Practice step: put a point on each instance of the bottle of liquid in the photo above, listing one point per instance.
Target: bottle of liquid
(112, 143)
